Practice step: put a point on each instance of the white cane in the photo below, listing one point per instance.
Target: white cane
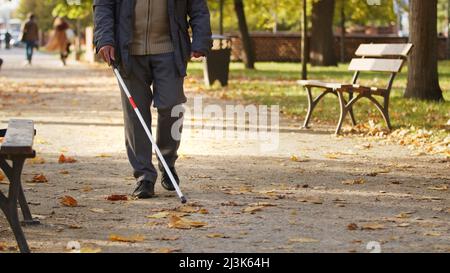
(155, 147)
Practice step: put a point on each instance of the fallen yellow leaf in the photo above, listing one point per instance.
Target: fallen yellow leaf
(188, 209)
(303, 240)
(166, 250)
(439, 188)
(90, 250)
(159, 215)
(433, 234)
(252, 210)
(103, 156)
(332, 155)
(36, 161)
(183, 223)
(372, 226)
(358, 181)
(125, 239)
(217, 235)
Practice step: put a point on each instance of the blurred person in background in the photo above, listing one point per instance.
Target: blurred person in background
(30, 36)
(59, 40)
(8, 38)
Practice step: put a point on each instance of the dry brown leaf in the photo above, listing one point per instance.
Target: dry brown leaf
(188, 209)
(252, 210)
(372, 226)
(117, 197)
(64, 172)
(69, 201)
(217, 235)
(63, 159)
(403, 215)
(352, 226)
(303, 240)
(312, 200)
(87, 189)
(262, 204)
(126, 239)
(439, 188)
(183, 223)
(203, 211)
(39, 178)
(231, 204)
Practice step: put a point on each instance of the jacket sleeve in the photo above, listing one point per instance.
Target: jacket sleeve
(104, 23)
(199, 20)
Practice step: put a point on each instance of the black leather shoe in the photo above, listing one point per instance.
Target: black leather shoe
(144, 190)
(165, 180)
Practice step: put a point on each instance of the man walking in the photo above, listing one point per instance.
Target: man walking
(149, 39)
(30, 36)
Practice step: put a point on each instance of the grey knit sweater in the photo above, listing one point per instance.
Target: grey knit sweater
(151, 32)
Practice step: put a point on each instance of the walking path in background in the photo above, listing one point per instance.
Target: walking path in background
(316, 193)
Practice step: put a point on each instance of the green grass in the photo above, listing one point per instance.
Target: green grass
(275, 83)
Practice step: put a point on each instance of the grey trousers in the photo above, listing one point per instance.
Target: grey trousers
(160, 72)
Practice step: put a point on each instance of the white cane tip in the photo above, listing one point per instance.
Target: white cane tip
(183, 200)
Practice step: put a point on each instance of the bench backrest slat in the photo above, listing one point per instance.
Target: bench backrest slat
(376, 65)
(382, 50)
(19, 138)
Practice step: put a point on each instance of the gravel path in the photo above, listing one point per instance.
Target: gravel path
(336, 195)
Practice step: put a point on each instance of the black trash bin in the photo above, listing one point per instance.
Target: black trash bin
(217, 63)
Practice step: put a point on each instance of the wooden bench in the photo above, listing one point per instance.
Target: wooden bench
(17, 146)
(388, 58)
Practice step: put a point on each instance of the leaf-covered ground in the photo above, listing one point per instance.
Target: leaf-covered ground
(317, 192)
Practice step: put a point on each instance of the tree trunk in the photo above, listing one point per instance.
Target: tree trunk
(322, 38)
(423, 79)
(249, 56)
(343, 19)
(304, 42)
(221, 17)
(448, 29)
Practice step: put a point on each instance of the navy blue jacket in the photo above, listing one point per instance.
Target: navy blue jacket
(113, 21)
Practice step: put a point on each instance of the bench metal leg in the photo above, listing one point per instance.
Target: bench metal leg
(312, 103)
(383, 110)
(26, 212)
(352, 115)
(347, 108)
(9, 204)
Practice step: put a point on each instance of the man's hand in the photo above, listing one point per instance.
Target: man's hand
(196, 54)
(107, 53)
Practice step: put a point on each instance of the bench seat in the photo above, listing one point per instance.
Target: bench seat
(16, 147)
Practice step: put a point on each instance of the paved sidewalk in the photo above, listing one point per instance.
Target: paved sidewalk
(341, 193)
